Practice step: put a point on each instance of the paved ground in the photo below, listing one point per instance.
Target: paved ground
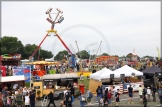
(123, 102)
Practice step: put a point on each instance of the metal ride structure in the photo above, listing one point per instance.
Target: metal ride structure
(58, 19)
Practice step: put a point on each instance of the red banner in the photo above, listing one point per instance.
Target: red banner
(3, 71)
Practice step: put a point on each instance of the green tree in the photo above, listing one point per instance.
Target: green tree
(84, 54)
(61, 55)
(11, 45)
(129, 55)
(29, 49)
(105, 54)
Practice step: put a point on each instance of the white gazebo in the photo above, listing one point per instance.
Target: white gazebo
(102, 74)
(128, 71)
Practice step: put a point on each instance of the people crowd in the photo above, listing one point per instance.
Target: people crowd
(19, 97)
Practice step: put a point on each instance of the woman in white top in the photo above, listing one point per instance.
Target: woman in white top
(140, 90)
(148, 93)
(27, 103)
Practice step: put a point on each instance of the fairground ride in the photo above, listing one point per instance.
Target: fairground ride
(58, 19)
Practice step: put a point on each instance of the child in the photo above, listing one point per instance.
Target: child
(145, 101)
(13, 99)
(8, 102)
(101, 102)
(27, 100)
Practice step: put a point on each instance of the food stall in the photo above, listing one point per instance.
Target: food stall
(56, 83)
(40, 67)
(12, 81)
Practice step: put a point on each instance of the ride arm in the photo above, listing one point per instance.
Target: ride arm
(39, 45)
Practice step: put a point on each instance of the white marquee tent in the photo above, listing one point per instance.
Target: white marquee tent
(102, 74)
(128, 71)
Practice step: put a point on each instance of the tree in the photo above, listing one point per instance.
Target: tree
(129, 55)
(61, 55)
(29, 49)
(105, 54)
(84, 54)
(11, 45)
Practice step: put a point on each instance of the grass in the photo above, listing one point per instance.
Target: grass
(85, 81)
(27, 84)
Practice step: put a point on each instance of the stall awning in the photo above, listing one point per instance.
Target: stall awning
(60, 76)
(12, 78)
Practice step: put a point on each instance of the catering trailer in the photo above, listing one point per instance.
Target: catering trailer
(56, 83)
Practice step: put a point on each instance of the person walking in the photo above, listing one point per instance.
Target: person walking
(148, 93)
(160, 94)
(19, 99)
(99, 93)
(106, 96)
(109, 96)
(153, 91)
(117, 94)
(144, 101)
(114, 91)
(81, 99)
(130, 93)
(140, 89)
(32, 99)
(89, 97)
(51, 97)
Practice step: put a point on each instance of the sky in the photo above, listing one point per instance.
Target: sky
(121, 26)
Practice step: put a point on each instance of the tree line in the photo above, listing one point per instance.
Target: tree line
(11, 45)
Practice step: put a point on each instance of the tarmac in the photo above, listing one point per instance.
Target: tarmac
(123, 102)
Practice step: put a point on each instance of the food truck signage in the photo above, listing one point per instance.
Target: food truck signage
(48, 80)
(22, 70)
(37, 87)
(64, 79)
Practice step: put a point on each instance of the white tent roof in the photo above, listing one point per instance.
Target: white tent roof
(102, 74)
(12, 78)
(127, 71)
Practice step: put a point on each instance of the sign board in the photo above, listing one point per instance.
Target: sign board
(112, 76)
(122, 76)
(37, 87)
(22, 70)
(48, 80)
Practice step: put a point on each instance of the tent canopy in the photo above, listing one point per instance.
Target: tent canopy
(41, 63)
(128, 71)
(152, 70)
(12, 78)
(102, 74)
(60, 76)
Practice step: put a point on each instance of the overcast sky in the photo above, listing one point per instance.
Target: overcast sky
(121, 26)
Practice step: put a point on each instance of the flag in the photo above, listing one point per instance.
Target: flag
(158, 53)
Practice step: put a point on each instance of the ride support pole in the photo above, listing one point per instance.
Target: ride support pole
(39, 45)
(63, 43)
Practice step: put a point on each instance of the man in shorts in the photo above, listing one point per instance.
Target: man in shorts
(130, 93)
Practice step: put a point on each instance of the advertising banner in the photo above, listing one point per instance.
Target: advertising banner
(22, 70)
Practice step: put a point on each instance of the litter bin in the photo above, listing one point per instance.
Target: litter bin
(81, 88)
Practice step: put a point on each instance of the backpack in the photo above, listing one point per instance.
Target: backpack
(99, 91)
(90, 95)
(116, 94)
(144, 91)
